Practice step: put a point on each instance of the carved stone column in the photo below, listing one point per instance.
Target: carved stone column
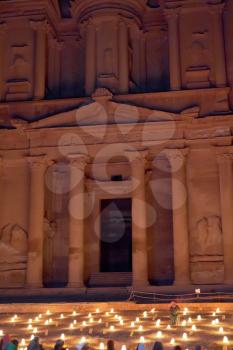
(226, 200)
(76, 226)
(40, 28)
(90, 70)
(3, 28)
(137, 160)
(177, 159)
(219, 53)
(123, 58)
(172, 16)
(38, 166)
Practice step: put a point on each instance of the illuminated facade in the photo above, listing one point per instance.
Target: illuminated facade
(116, 143)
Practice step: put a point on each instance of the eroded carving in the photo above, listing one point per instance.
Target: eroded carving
(13, 255)
(206, 237)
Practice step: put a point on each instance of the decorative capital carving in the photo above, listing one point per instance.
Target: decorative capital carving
(3, 27)
(224, 154)
(41, 25)
(136, 156)
(216, 9)
(39, 162)
(172, 14)
(176, 155)
(78, 160)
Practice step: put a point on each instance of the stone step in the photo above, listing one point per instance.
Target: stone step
(110, 279)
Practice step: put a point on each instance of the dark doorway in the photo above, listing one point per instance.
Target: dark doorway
(116, 235)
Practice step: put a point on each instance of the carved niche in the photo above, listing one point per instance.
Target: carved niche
(13, 256)
(198, 72)
(206, 250)
(18, 86)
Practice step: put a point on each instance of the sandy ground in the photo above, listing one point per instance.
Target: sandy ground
(100, 324)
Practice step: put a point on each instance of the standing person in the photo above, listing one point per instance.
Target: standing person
(59, 345)
(35, 344)
(158, 346)
(4, 342)
(174, 312)
(110, 345)
(12, 345)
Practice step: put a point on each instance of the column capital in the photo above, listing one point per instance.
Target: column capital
(216, 9)
(136, 156)
(39, 162)
(172, 14)
(3, 27)
(224, 157)
(78, 160)
(39, 25)
(177, 154)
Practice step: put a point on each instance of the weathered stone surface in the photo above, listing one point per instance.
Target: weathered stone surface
(207, 272)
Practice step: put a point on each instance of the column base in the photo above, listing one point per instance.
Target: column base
(34, 285)
(75, 285)
(140, 284)
(182, 284)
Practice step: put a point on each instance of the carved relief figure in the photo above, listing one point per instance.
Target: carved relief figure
(206, 237)
(18, 69)
(13, 255)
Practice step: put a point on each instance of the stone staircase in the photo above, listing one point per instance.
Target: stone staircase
(110, 279)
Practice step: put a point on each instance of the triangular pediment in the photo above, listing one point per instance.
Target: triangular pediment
(100, 113)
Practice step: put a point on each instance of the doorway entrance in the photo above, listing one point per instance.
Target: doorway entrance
(116, 235)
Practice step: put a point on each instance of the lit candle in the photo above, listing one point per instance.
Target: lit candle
(199, 317)
(221, 330)
(172, 341)
(83, 340)
(112, 311)
(194, 328)
(132, 324)
(47, 312)
(1, 333)
(168, 326)
(62, 336)
(84, 323)
(140, 328)
(62, 316)
(137, 320)
(157, 323)
(183, 323)
(142, 339)
(101, 346)
(112, 328)
(35, 330)
(75, 322)
(32, 337)
(124, 347)
(74, 313)
(97, 311)
(71, 326)
(23, 343)
(159, 334)
(225, 340)
(185, 336)
(153, 310)
(29, 326)
(107, 313)
(189, 320)
(121, 322)
(144, 314)
(100, 320)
